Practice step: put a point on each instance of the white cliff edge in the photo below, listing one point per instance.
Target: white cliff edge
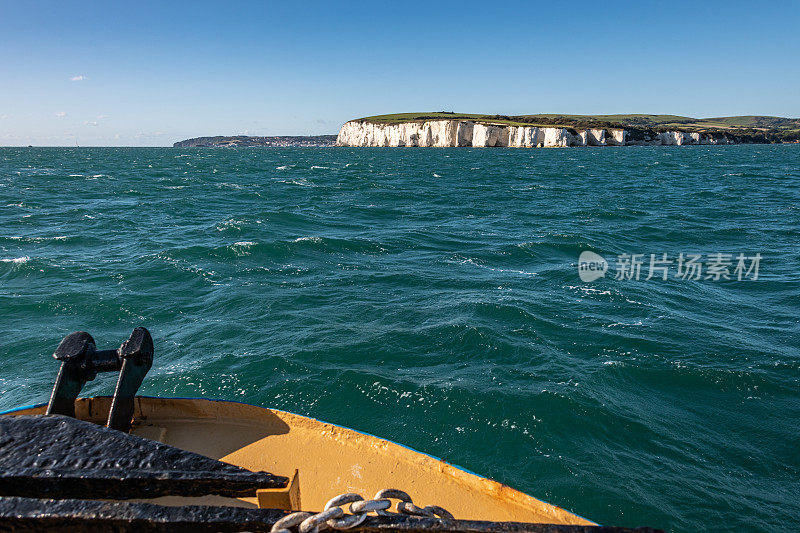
(444, 133)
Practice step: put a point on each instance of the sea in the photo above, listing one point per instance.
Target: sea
(443, 299)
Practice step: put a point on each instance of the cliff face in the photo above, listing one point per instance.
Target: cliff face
(443, 133)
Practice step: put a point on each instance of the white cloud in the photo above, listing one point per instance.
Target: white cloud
(101, 117)
(148, 135)
(3, 116)
(90, 123)
(78, 78)
(61, 114)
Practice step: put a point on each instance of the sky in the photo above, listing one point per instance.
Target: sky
(152, 73)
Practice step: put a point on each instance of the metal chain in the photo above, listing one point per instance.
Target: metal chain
(333, 515)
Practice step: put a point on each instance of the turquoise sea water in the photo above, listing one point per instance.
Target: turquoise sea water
(432, 297)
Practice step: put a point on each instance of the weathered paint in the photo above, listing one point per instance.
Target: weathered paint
(330, 459)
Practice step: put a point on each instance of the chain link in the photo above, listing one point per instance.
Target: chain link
(333, 516)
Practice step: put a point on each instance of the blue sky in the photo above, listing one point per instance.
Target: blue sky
(151, 73)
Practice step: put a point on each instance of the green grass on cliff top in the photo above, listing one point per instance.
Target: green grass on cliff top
(634, 120)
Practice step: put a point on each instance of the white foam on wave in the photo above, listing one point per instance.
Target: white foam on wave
(317, 167)
(435, 175)
(229, 224)
(624, 324)
(589, 290)
(282, 167)
(37, 239)
(309, 239)
(496, 269)
(242, 248)
(510, 270)
(302, 182)
(207, 275)
(16, 260)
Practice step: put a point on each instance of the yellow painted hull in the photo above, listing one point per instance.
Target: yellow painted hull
(330, 459)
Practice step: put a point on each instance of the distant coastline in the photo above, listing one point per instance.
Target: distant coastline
(449, 129)
(237, 141)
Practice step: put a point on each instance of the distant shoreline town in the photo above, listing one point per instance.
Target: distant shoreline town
(304, 141)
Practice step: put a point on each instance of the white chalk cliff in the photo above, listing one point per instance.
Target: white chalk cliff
(443, 133)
